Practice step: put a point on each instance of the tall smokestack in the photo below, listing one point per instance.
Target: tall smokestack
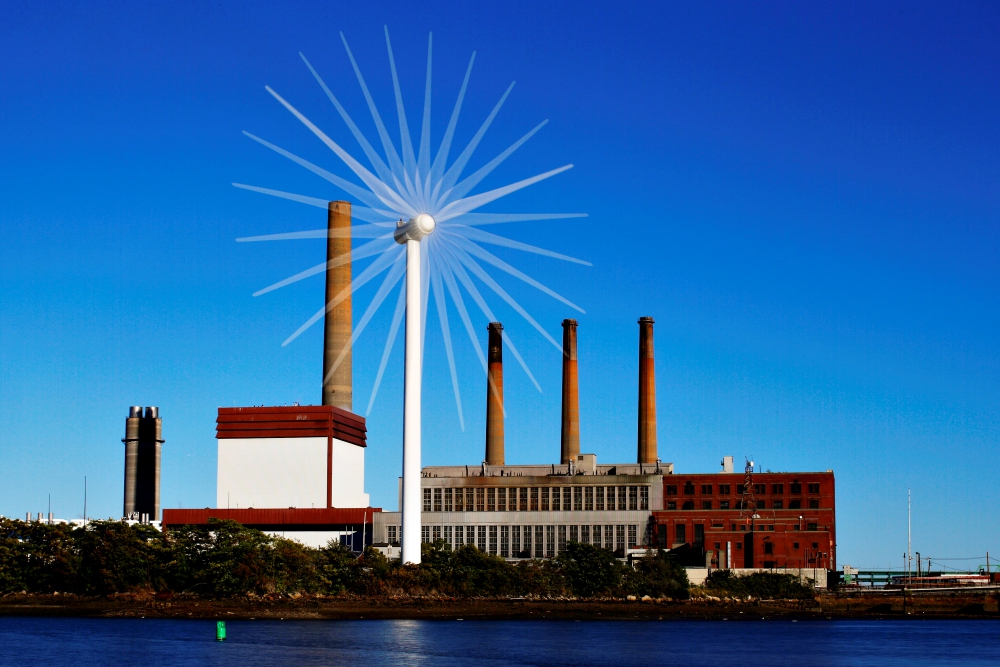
(647, 393)
(494, 397)
(338, 383)
(570, 441)
(143, 444)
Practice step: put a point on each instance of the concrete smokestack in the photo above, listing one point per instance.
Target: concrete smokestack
(570, 441)
(647, 393)
(494, 397)
(338, 383)
(143, 446)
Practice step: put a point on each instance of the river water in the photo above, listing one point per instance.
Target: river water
(149, 642)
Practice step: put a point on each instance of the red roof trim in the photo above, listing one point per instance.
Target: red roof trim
(291, 422)
(274, 518)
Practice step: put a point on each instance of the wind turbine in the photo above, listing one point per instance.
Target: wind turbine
(424, 205)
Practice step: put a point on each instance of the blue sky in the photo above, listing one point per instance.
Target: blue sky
(805, 198)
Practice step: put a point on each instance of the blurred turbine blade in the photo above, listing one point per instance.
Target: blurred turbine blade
(378, 164)
(442, 310)
(461, 189)
(424, 155)
(437, 169)
(480, 219)
(485, 237)
(348, 187)
(460, 206)
(302, 199)
(357, 232)
(397, 317)
(380, 264)
(367, 250)
(409, 163)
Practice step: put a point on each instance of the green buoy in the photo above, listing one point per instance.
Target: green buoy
(220, 631)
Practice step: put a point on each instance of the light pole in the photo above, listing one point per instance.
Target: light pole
(411, 233)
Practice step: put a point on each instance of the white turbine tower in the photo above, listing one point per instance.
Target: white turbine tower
(421, 202)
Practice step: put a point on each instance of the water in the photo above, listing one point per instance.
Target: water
(149, 642)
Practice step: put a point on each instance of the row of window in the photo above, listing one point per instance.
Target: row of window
(536, 498)
(796, 504)
(725, 489)
(527, 541)
(680, 530)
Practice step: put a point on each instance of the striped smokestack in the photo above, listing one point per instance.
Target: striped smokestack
(494, 397)
(570, 441)
(338, 383)
(647, 393)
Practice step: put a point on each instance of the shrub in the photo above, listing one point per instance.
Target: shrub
(589, 570)
(658, 575)
(758, 584)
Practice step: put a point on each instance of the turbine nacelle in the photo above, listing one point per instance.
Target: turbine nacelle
(417, 228)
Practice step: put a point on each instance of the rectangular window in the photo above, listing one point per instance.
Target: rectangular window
(815, 545)
(481, 500)
(425, 533)
(585, 534)
(436, 533)
(740, 489)
(540, 541)
(427, 500)
(534, 499)
(622, 498)
(599, 498)
(491, 500)
(796, 488)
(437, 500)
(526, 544)
(447, 535)
(468, 500)
(811, 526)
(597, 536)
(706, 489)
(633, 497)
(777, 489)
(671, 489)
(458, 537)
(813, 504)
(515, 541)
(390, 534)
(493, 540)
(505, 541)
(760, 489)
(644, 497)
(567, 503)
(574, 533)
(550, 541)
(561, 530)
(706, 504)
(688, 505)
(501, 500)
(633, 535)
(481, 538)
(588, 499)
(688, 489)
(699, 534)
(459, 500)
(723, 489)
(671, 504)
(814, 488)
(680, 533)
(620, 538)
(778, 504)
(723, 504)
(523, 503)
(447, 500)
(556, 499)
(795, 545)
(609, 538)
(768, 548)
(761, 504)
(577, 498)
(794, 504)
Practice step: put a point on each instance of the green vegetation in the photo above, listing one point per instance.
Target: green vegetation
(225, 559)
(763, 585)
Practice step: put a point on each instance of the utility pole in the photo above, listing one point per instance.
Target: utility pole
(909, 543)
(84, 501)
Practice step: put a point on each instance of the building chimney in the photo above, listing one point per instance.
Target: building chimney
(494, 397)
(338, 379)
(570, 440)
(143, 444)
(647, 393)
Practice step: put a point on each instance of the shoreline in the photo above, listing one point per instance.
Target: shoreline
(824, 607)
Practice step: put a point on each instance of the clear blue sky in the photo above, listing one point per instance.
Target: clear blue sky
(804, 196)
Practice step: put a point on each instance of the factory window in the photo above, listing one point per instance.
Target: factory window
(523, 502)
(777, 489)
(468, 500)
(458, 537)
(556, 499)
(501, 500)
(390, 535)
(493, 540)
(550, 541)
(813, 504)
(680, 533)
(544, 505)
(540, 541)
(743, 527)
(814, 488)
(574, 533)
(815, 545)
(427, 500)
(459, 500)
(505, 541)
(723, 489)
(740, 489)
(699, 534)
(796, 488)
(795, 545)
(588, 499)
(706, 504)
(436, 533)
(447, 500)
(597, 536)
(481, 537)
(761, 504)
(760, 489)
(633, 534)
(526, 544)
(732, 526)
(688, 489)
(723, 504)
(688, 505)
(447, 535)
(561, 530)
(577, 498)
(706, 489)
(644, 497)
(481, 500)
(717, 525)
(622, 498)
(811, 526)
(491, 500)
(599, 498)
(739, 547)
(633, 497)
(671, 489)
(566, 493)
(620, 539)
(425, 533)
(437, 500)
(778, 504)
(515, 541)
(769, 548)
(671, 504)
(794, 504)
(718, 545)
(534, 499)
(609, 498)
(585, 534)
